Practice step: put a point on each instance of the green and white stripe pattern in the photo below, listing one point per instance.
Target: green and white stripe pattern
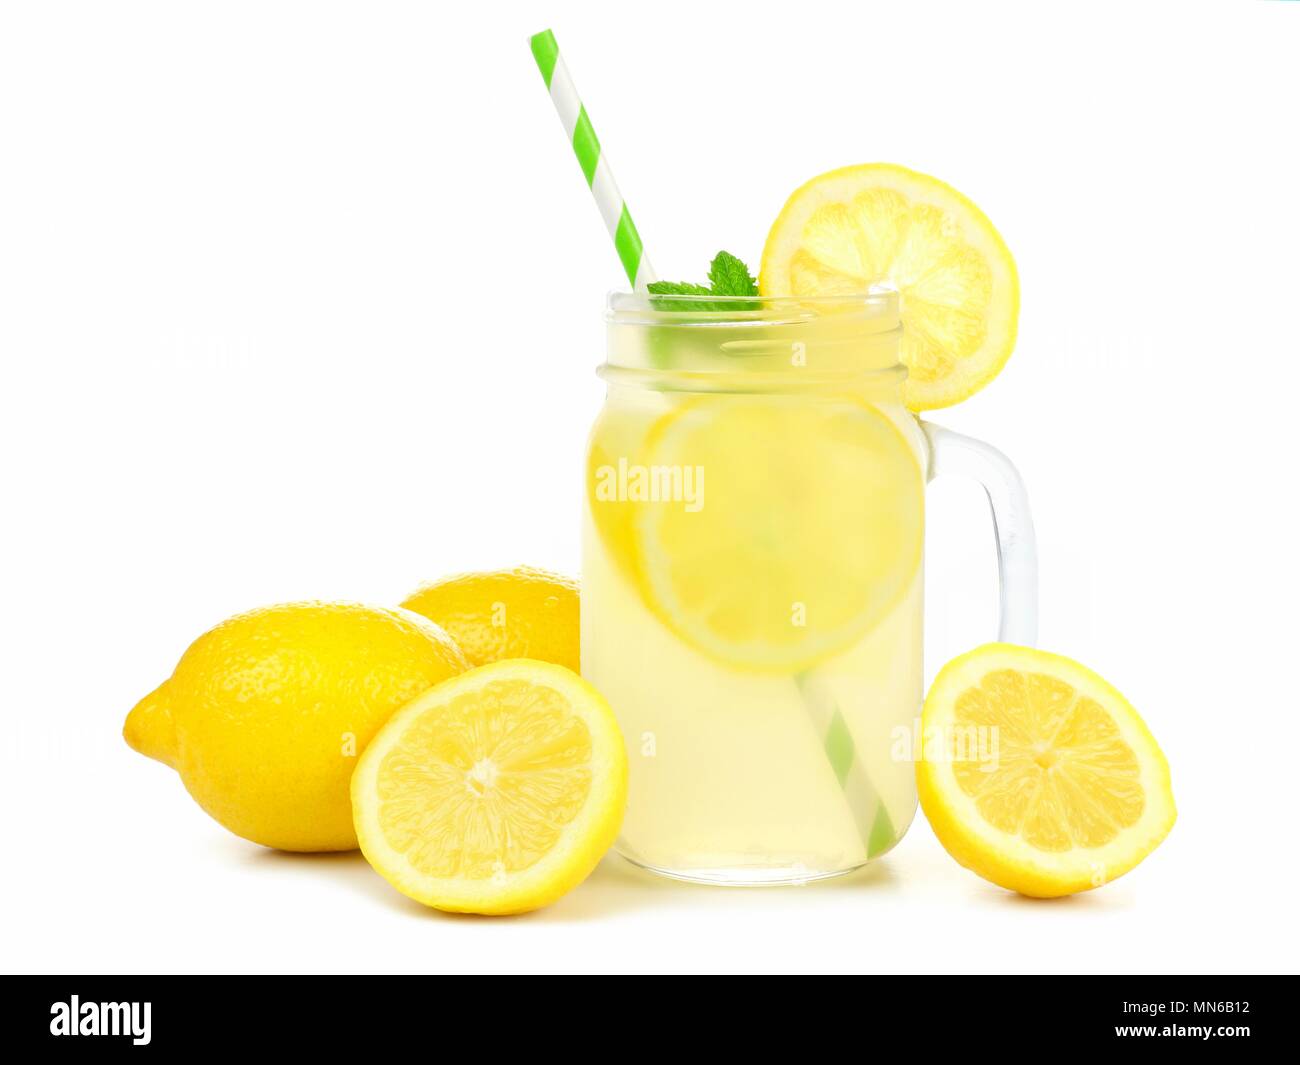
(865, 804)
(595, 168)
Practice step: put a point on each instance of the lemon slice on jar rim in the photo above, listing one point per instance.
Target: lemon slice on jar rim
(882, 224)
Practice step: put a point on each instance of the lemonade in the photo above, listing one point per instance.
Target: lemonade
(751, 596)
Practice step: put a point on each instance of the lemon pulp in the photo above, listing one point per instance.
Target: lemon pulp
(1066, 778)
(485, 782)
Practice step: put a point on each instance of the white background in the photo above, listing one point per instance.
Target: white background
(304, 300)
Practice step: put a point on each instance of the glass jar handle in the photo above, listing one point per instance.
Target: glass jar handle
(1013, 526)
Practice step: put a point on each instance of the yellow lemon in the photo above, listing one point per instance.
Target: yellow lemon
(515, 613)
(265, 715)
(619, 434)
(808, 527)
(495, 792)
(1037, 774)
(881, 224)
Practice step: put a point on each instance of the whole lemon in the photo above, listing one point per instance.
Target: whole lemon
(265, 715)
(511, 613)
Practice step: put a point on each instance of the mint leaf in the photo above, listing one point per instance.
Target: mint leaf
(728, 276)
(677, 288)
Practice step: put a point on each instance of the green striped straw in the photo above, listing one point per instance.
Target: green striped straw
(595, 167)
(869, 813)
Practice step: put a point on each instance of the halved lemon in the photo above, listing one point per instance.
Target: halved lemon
(1037, 774)
(806, 527)
(882, 224)
(495, 792)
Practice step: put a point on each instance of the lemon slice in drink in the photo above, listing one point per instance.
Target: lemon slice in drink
(494, 793)
(879, 223)
(1038, 775)
(806, 528)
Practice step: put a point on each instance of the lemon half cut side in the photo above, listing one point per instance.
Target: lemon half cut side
(882, 224)
(1037, 774)
(494, 793)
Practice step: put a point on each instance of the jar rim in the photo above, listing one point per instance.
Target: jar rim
(877, 303)
(752, 343)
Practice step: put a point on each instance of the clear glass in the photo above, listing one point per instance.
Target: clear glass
(752, 579)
